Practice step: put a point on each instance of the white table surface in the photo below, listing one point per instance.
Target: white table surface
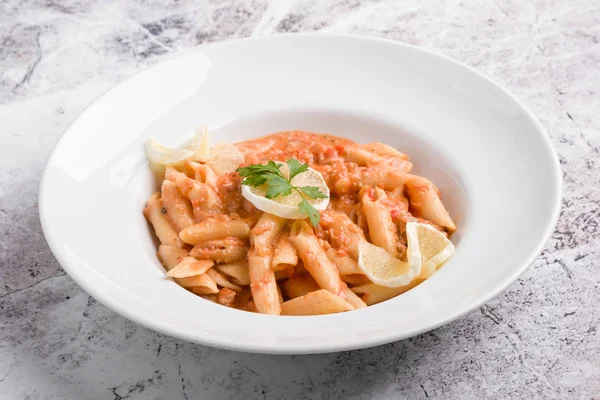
(539, 339)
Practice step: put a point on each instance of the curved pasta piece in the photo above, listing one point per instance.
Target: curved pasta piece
(178, 208)
(155, 213)
(425, 202)
(382, 230)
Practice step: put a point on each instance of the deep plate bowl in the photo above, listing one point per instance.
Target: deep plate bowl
(489, 156)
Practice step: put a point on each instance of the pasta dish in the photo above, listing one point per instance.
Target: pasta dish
(295, 223)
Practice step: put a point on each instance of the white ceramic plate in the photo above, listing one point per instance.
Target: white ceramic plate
(486, 152)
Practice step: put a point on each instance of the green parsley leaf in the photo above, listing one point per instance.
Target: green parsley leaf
(277, 186)
(296, 167)
(254, 180)
(312, 213)
(269, 174)
(313, 192)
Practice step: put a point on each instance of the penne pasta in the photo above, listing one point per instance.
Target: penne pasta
(203, 173)
(265, 232)
(181, 180)
(263, 283)
(299, 285)
(373, 294)
(355, 279)
(238, 272)
(285, 255)
(385, 178)
(233, 247)
(221, 280)
(155, 213)
(425, 202)
(362, 157)
(216, 228)
(345, 235)
(205, 202)
(352, 298)
(178, 209)
(382, 231)
(199, 281)
(190, 266)
(314, 257)
(315, 303)
(227, 250)
(210, 288)
(343, 262)
(383, 149)
(170, 256)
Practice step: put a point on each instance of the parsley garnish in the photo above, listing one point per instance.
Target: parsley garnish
(278, 185)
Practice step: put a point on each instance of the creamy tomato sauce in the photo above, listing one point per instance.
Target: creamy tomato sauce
(328, 155)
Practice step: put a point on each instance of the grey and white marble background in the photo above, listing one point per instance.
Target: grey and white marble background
(540, 339)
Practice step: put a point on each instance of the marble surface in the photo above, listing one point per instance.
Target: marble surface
(539, 339)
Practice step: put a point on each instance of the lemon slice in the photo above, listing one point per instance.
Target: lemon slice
(384, 269)
(435, 249)
(287, 206)
(196, 149)
(224, 158)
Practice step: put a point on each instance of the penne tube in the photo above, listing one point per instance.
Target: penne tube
(314, 257)
(345, 234)
(400, 201)
(190, 266)
(385, 178)
(315, 303)
(155, 213)
(216, 228)
(204, 281)
(170, 256)
(373, 294)
(205, 201)
(181, 180)
(265, 232)
(237, 272)
(425, 202)
(362, 157)
(352, 298)
(221, 280)
(178, 209)
(388, 157)
(216, 243)
(382, 230)
(203, 173)
(263, 283)
(285, 255)
(211, 288)
(299, 285)
(385, 150)
(343, 262)
(228, 250)
(355, 279)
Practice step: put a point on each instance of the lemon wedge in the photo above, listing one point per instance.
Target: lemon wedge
(384, 269)
(435, 249)
(287, 206)
(196, 149)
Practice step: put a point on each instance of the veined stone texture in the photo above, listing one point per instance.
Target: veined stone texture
(538, 340)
